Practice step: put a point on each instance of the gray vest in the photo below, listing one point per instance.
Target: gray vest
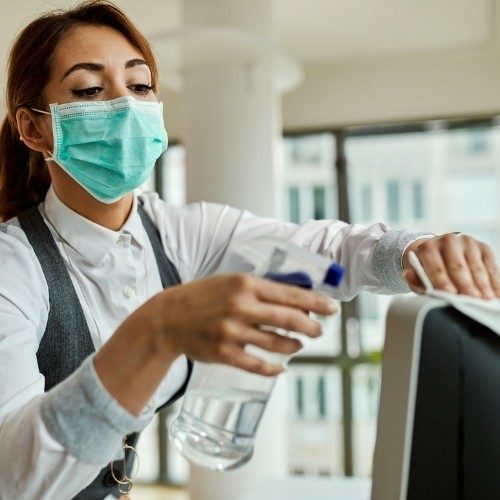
(66, 341)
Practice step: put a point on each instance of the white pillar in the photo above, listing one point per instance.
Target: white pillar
(231, 115)
(231, 129)
(231, 74)
(231, 124)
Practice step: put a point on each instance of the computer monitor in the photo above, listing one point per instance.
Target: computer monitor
(438, 433)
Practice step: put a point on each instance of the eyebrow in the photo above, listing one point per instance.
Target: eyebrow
(90, 66)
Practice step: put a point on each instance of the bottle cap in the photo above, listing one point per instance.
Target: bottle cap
(334, 275)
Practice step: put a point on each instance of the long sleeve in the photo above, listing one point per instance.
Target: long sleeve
(52, 444)
(201, 236)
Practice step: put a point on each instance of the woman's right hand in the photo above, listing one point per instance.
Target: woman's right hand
(212, 319)
(209, 320)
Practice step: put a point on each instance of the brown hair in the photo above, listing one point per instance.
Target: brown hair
(24, 176)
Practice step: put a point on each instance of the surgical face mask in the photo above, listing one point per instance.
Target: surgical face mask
(108, 147)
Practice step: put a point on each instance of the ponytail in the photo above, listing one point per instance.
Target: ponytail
(24, 176)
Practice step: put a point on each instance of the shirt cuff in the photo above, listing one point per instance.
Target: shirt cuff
(388, 257)
(85, 419)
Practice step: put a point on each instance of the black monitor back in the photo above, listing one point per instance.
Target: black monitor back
(455, 451)
(438, 432)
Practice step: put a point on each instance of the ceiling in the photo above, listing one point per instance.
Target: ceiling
(323, 30)
(319, 31)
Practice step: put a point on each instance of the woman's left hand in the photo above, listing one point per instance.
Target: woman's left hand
(455, 263)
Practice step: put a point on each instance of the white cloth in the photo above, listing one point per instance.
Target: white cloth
(113, 273)
(485, 312)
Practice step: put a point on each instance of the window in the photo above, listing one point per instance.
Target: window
(310, 179)
(315, 430)
(393, 205)
(308, 150)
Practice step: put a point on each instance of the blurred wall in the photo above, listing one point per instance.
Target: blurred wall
(440, 85)
(460, 83)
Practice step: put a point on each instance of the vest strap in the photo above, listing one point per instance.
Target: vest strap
(67, 341)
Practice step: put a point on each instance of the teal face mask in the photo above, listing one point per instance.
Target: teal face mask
(108, 147)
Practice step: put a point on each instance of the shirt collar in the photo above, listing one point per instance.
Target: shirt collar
(89, 239)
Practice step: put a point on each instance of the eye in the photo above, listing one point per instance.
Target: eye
(88, 93)
(141, 88)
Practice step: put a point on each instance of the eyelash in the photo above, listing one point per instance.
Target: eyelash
(92, 92)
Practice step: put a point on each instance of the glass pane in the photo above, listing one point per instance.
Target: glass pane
(308, 150)
(315, 443)
(365, 397)
(329, 344)
(309, 184)
(372, 311)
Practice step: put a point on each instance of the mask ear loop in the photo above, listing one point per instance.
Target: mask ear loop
(21, 138)
(41, 111)
(51, 155)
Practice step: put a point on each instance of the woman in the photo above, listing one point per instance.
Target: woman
(87, 262)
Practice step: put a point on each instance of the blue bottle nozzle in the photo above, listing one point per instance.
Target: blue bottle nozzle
(298, 279)
(334, 275)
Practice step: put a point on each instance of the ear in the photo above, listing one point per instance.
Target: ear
(35, 130)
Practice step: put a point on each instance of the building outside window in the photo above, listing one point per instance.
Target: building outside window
(418, 200)
(366, 203)
(393, 202)
(294, 201)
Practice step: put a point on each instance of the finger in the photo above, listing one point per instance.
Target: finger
(411, 277)
(435, 268)
(491, 268)
(458, 268)
(478, 270)
(270, 341)
(294, 296)
(237, 357)
(288, 318)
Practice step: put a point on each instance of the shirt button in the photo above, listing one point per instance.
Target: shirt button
(128, 292)
(150, 405)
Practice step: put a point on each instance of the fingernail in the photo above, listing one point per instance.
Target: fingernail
(331, 307)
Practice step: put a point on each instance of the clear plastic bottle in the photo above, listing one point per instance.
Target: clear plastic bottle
(223, 405)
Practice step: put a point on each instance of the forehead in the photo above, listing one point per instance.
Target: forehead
(92, 43)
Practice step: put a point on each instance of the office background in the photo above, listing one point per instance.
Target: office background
(369, 110)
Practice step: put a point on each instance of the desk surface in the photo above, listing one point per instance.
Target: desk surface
(311, 488)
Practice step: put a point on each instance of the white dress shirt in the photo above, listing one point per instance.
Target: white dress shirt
(115, 272)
